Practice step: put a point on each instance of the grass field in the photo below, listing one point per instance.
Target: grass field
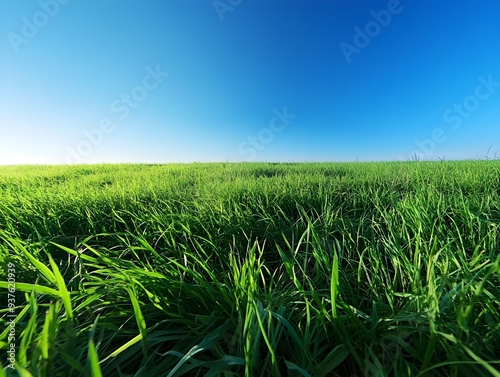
(321, 269)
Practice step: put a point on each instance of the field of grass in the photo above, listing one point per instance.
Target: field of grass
(321, 269)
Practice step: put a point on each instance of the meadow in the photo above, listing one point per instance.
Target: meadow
(252, 269)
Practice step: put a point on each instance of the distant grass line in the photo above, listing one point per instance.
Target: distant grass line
(255, 269)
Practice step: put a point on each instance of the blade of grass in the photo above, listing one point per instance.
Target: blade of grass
(65, 296)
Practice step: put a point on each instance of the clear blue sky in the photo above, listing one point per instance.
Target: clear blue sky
(258, 80)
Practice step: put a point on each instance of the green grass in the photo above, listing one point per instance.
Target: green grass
(321, 269)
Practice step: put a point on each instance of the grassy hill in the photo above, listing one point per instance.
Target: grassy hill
(317, 269)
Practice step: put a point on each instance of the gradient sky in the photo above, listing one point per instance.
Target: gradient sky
(248, 80)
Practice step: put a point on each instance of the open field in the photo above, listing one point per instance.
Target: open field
(321, 269)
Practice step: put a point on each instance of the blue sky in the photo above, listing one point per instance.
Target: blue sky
(248, 80)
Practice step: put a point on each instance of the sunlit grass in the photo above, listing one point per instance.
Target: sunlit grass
(373, 269)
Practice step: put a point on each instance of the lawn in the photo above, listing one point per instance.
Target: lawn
(253, 269)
